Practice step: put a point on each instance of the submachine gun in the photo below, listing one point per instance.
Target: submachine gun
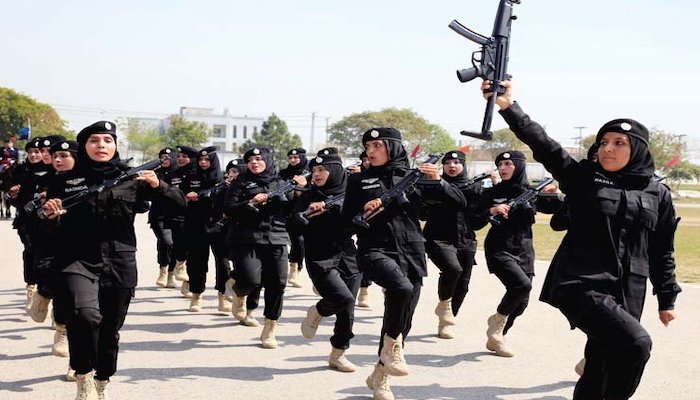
(280, 192)
(110, 184)
(489, 63)
(330, 202)
(522, 201)
(396, 194)
(213, 191)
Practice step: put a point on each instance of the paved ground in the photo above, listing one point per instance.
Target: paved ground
(168, 352)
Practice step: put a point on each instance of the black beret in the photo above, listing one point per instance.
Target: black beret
(454, 155)
(48, 141)
(327, 150)
(626, 126)
(166, 150)
(296, 151)
(325, 160)
(208, 150)
(64, 145)
(510, 155)
(235, 163)
(381, 133)
(33, 144)
(190, 151)
(97, 127)
(255, 151)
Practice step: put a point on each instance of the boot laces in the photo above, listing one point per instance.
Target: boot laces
(396, 353)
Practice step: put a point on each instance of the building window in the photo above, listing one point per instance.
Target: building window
(245, 132)
(219, 145)
(235, 131)
(255, 129)
(219, 131)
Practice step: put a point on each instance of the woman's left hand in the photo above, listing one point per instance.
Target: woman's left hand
(300, 180)
(192, 196)
(150, 177)
(666, 316)
(431, 171)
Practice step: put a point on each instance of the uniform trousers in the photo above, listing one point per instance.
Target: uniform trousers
(455, 271)
(296, 250)
(179, 240)
(28, 259)
(164, 244)
(95, 315)
(402, 290)
(262, 265)
(197, 257)
(338, 291)
(221, 259)
(518, 285)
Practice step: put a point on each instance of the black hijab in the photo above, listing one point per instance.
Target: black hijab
(518, 183)
(213, 174)
(640, 168)
(337, 178)
(461, 157)
(268, 175)
(303, 166)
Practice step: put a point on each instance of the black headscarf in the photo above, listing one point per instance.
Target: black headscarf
(640, 168)
(518, 183)
(398, 158)
(293, 170)
(96, 169)
(265, 177)
(192, 154)
(213, 174)
(337, 178)
(172, 155)
(461, 157)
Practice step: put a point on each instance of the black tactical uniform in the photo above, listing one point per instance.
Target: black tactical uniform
(158, 215)
(97, 255)
(450, 240)
(621, 233)
(330, 251)
(259, 238)
(296, 251)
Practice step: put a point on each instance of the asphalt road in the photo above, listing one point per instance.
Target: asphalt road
(170, 353)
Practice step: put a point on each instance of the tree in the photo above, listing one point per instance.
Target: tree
(665, 146)
(275, 135)
(185, 133)
(503, 139)
(346, 134)
(16, 109)
(147, 141)
(681, 172)
(586, 143)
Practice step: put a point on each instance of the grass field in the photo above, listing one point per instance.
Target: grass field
(687, 243)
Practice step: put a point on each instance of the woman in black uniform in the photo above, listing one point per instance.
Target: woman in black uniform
(330, 256)
(259, 238)
(297, 165)
(157, 218)
(391, 252)
(508, 244)
(451, 242)
(621, 233)
(97, 253)
(197, 214)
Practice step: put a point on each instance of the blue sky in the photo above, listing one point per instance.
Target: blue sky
(574, 63)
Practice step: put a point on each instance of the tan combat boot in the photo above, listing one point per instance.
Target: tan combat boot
(171, 281)
(580, 366)
(446, 319)
(310, 324)
(101, 387)
(70, 375)
(181, 271)
(224, 304)
(238, 308)
(269, 341)
(31, 289)
(250, 319)
(162, 277)
(86, 386)
(494, 333)
(196, 302)
(60, 341)
(293, 279)
(378, 382)
(229, 288)
(39, 308)
(392, 356)
(363, 298)
(185, 289)
(338, 361)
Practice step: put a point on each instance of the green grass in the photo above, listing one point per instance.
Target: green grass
(546, 242)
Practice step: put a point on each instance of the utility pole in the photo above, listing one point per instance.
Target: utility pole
(313, 122)
(328, 139)
(580, 140)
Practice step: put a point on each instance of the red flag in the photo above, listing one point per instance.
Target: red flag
(466, 149)
(415, 151)
(675, 160)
